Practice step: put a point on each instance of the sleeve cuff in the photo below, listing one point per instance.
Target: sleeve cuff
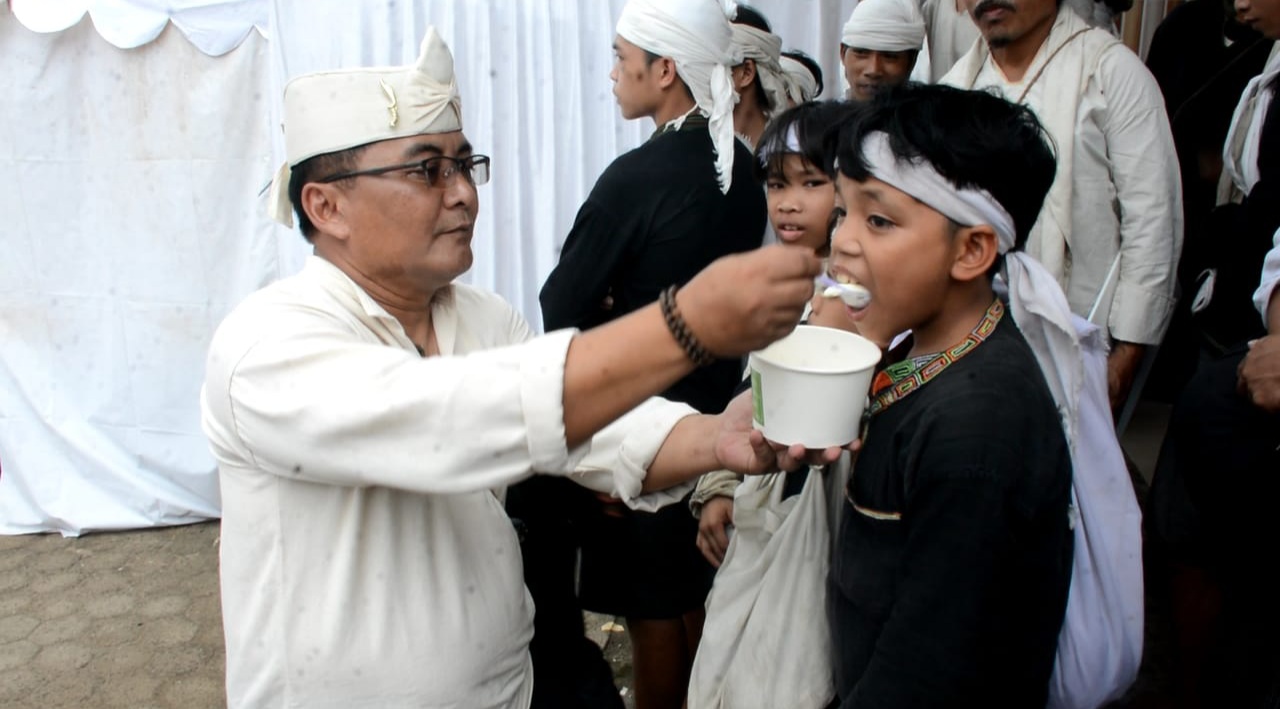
(721, 483)
(542, 398)
(619, 456)
(1139, 315)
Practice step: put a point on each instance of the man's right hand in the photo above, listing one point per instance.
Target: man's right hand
(743, 302)
(713, 528)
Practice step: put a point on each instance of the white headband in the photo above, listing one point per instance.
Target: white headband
(885, 26)
(791, 144)
(697, 36)
(1036, 300)
(802, 85)
(966, 207)
(765, 49)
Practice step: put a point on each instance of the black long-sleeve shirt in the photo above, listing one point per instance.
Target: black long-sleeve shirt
(655, 218)
(959, 602)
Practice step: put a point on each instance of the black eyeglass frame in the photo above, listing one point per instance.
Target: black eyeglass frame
(466, 166)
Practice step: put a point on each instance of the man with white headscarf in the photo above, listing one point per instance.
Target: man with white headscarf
(368, 413)
(1111, 229)
(656, 216)
(758, 79)
(879, 45)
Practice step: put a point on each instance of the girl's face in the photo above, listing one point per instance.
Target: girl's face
(801, 199)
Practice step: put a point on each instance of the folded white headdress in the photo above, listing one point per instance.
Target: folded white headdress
(802, 85)
(885, 26)
(1036, 300)
(331, 111)
(697, 36)
(765, 49)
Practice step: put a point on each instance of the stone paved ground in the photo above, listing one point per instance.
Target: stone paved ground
(129, 619)
(125, 619)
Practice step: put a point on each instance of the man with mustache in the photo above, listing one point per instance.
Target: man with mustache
(1111, 228)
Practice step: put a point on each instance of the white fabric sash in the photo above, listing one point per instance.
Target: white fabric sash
(697, 36)
(885, 26)
(765, 49)
(1240, 153)
(1037, 302)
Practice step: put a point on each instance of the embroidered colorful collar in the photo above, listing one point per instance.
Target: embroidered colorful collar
(893, 383)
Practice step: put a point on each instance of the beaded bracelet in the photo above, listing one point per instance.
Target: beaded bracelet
(680, 329)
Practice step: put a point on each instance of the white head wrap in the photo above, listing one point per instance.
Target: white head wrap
(765, 49)
(885, 26)
(1036, 300)
(697, 36)
(802, 85)
(335, 110)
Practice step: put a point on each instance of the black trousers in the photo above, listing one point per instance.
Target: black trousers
(1214, 502)
(569, 670)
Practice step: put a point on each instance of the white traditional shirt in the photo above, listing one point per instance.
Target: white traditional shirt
(1117, 197)
(367, 560)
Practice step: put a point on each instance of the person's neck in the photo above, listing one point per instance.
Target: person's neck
(1015, 58)
(411, 307)
(961, 311)
(676, 105)
(749, 121)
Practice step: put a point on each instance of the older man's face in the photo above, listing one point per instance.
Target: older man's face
(1004, 22)
(404, 234)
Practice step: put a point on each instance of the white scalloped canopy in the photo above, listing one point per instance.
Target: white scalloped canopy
(215, 27)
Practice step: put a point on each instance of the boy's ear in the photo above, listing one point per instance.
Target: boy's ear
(976, 249)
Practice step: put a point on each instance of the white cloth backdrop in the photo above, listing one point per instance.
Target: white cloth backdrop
(133, 158)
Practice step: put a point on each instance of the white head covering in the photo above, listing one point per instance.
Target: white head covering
(697, 36)
(885, 26)
(331, 111)
(802, 85)
(1036, 300)
(765, 49)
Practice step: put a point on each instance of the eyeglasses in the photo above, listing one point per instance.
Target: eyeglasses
(436, 171)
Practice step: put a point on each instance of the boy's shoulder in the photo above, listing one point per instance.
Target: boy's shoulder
(997, 389)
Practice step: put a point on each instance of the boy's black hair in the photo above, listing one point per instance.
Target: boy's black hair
(815, 125)
(809, 63)
(972, 138)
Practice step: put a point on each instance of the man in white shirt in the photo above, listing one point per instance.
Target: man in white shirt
(1111, 228)
(368, 413)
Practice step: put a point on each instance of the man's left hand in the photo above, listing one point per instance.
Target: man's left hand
(743, 449)
(1122, 368)
(1260, 373)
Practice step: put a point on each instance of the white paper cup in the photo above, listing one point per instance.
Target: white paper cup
(811, 386)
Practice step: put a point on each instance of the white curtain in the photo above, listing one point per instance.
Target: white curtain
(130, 227)
(133, 168)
